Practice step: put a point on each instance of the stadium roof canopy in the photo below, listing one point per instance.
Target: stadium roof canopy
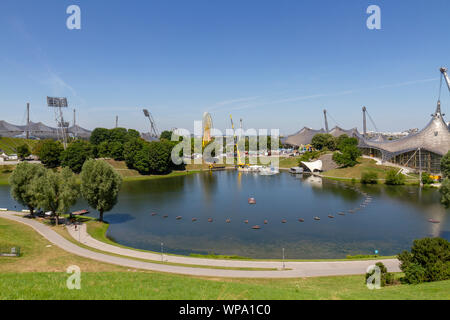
(305, 135)
(435, 137)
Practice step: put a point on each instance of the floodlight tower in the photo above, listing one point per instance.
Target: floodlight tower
(153, 130)
(326, 120)
(58, 104)
(364, 109)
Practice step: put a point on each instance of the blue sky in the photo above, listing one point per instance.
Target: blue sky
(276, 64)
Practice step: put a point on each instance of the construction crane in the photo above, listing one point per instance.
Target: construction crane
(445, 76)
(153, 130)
(239, 162)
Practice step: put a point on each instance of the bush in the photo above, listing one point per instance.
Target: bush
(369, 178)
(429, 260)
(386, 277)
(394, 179)
(426, 178)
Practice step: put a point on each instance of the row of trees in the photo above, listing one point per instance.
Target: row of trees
(118, 144)
(37, 187)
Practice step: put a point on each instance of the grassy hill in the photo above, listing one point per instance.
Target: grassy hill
(9, 145)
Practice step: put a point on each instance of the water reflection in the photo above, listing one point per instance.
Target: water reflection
(377, 217)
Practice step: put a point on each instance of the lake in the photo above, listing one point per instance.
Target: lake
(384, 218)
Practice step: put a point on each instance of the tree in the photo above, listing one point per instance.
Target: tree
(100, 185)
(429, 260)
(104, 149)
(116, 150)
(160, 157)
(445, 192)
(130, 149)
(167, 135)
(24, 181)
(445, 165)
(426, 179)
(76, 154)
(50, 153)
(99, 135)
(394, 178)
(345, 141)
(23, 151)
(324, 140)
(348, 156)
(57, 191)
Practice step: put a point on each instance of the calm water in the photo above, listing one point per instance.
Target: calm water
(389, 223)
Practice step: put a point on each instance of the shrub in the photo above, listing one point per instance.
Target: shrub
(386, 277)
(394, 178)
(429, 260)
(23, 151)
(50, 153)
(426, 178)
(369, 178)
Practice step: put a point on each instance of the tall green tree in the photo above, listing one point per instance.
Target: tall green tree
(57, 191)
(23, 151)
(445, 165)
(99, 135)
(24, 181)
(445, 192)
(324, 140)
(130, 149)
(50, 153)
(100, 185)
(348, 156)
(76, 154)
(160, 157)
(167, 135)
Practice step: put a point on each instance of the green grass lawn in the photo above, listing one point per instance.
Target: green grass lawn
(39, 273)
(364, 165)
(9, 145)
(144, 285)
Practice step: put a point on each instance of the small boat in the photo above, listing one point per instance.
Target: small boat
(330, 216)
(301, 220)
(433, 221)
(283, 221)
(265, 221)
(316, 218)
(256, 227)
(228, 221)
(341, 213)
(80, 213)
(165, 216)
(245, 221)
(194, 219)
(251, 201)
(154, 214)
(178, 218)
(210, 220)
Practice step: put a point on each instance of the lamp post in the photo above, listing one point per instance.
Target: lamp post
(162, 252)
(283, 260)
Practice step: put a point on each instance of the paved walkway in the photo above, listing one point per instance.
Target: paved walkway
(296, 269)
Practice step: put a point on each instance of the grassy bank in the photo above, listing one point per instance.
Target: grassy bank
(9, 145)
(39, 273)
(364, 165)
(144, 285)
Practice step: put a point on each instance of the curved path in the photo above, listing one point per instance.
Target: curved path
(294, 269)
